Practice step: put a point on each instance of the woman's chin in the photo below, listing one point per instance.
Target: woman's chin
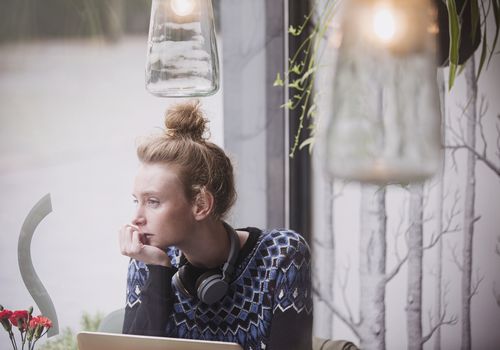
(160, 245)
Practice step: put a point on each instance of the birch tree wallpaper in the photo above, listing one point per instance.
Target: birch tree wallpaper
(417, 266)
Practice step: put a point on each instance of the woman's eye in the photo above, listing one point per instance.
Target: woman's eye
(153, 202)
(135, 201)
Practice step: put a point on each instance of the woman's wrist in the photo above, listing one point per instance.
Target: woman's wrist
(164, 261)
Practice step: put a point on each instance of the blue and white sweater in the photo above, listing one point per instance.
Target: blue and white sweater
(268, 305)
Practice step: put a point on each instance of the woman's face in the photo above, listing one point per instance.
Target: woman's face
(164, 215)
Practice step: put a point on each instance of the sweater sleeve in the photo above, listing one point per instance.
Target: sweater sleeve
(291, 326)
(149, 299)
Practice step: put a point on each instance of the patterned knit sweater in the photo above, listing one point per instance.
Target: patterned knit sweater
(268, 305)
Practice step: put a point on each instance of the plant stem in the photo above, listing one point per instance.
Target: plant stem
(23, 339)
(13, 340)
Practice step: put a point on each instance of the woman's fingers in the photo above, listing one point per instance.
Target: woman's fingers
(122, 238)
(131, 245)
(128, 244)
(136, 244)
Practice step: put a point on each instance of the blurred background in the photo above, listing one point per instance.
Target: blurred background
(73, 103)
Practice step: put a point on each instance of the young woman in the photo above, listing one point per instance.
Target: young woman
(191, 275)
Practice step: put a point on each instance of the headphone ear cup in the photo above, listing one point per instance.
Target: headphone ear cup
(211, 287)
(180, 281)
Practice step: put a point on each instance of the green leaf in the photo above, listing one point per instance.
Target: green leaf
(307, 74)
(307, 142)
(311, 112)
(461, 69)
(288, 105)
(296, 85)
(278, 81)
(296, 68)
(294, 31)
(454, 27)
(496, 14)
(484, 52)
(452, 75)
(474, 18)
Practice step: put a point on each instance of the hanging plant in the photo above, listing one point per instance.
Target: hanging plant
(303, 64)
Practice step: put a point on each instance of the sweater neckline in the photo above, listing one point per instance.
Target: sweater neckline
(253, 236)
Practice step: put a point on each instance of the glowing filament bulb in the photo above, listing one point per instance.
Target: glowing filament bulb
(384, 24)
(182, 7)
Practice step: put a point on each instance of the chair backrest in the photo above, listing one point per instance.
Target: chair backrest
(328, 344)
(112, 323)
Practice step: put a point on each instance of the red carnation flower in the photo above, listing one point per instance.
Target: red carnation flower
(36, 327)
(20, 319)
(34, 322)
(4, 319)
(45, 321)
(5, 314)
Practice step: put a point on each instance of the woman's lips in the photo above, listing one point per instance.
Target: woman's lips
(146, 238)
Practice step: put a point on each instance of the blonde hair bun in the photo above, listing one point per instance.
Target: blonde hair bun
(186, 120)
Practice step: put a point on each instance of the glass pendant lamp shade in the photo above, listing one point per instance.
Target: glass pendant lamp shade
(182, 58)
(385, 126)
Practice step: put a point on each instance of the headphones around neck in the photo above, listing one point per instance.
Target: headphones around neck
(209, 286)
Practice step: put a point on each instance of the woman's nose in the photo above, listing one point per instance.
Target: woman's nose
(139, 219)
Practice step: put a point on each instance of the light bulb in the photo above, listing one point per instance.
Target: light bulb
(384, 23)
(182, 7)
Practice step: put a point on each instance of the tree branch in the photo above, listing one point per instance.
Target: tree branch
(455, 258)
(452, 213)
(453, 159)
(343, 288)
(453, 133)
(484, 159)
(343, 184)
(496, 294)
(476, 219)
(442, 321)
(337, 312)
(460, 140)
(483, 108)
(449, 219)
(399, 230)
(395, 270)
(400, 262)
(475, 285)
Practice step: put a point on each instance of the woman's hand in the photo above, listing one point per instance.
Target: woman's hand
(132, 244)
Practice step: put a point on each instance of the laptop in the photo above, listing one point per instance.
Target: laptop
(111, 341)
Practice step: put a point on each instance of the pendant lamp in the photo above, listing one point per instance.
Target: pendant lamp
(182, 59)
(385, 125)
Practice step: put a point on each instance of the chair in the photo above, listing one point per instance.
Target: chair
(328, 344)
(113, 322)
